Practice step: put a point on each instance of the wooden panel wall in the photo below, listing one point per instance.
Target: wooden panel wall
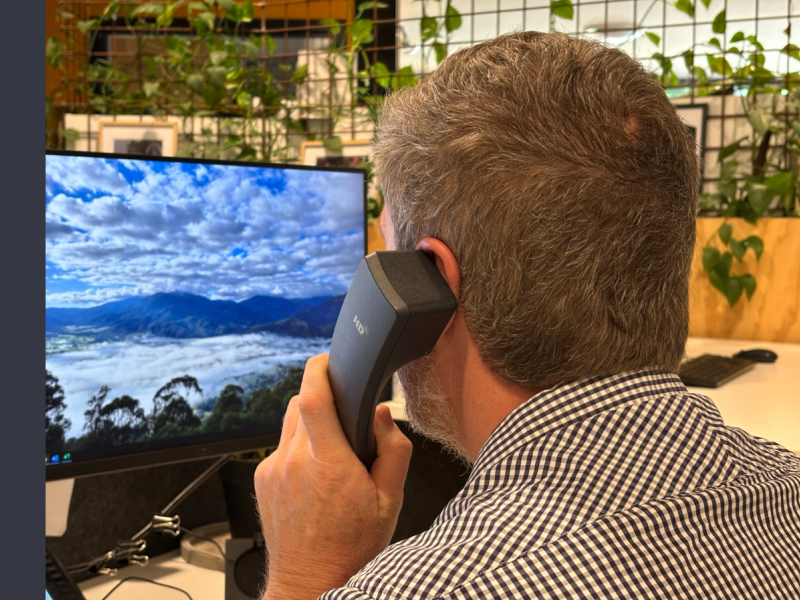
(375, 241)
(52, 76)
(773, 314)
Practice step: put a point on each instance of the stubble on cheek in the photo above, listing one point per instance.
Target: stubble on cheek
(427, 406)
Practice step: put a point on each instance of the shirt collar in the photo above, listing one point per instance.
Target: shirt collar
(568, 403)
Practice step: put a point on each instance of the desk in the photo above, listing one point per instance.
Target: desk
(765, 401)
(169, 568)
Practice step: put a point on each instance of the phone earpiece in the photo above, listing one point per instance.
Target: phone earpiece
(396, 308)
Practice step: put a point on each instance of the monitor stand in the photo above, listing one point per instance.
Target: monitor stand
(240, 497)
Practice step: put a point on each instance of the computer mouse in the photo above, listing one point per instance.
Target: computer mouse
(757, 355)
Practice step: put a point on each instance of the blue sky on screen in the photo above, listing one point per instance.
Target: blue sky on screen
(117, 228)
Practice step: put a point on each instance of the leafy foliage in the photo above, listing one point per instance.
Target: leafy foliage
(562, 9)
(52, 52)
(763, 183)
(217, 69)
(435, 33)
(720, 23)
(686, 6)
(718, 264)
(266, 406)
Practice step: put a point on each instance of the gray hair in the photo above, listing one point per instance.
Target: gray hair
(565, 184)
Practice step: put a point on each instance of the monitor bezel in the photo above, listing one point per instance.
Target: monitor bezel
(149, 458)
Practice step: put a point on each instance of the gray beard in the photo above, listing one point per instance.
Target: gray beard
(428, 409)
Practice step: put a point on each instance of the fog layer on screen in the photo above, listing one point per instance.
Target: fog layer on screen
(185, 298)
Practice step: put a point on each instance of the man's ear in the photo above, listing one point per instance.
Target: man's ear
(445, 261)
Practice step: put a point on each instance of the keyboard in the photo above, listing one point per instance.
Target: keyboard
(712, 371)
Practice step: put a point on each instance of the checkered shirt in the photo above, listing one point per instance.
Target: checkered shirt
(618, 487)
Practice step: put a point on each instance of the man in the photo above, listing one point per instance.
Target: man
(556, 188)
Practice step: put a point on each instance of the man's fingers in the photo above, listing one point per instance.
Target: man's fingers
(394, 453)
(290, 421)
(317, 411)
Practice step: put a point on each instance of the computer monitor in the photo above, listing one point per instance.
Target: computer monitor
(182, 299)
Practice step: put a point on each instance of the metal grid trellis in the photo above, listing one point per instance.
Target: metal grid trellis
(106, 59)
(408, 38)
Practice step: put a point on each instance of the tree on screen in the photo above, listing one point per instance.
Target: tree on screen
(172, 414)
(228, 411)
(178, 387)
(121, 421)
(288, 387)
(266, 406)
(56, 423)
(92, 423)
(263, 408)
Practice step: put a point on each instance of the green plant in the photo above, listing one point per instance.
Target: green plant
(562, 9)
(348, 49)
(718, 264)
(435, 32)
(220, 69)
(765, 183)
(758, 173)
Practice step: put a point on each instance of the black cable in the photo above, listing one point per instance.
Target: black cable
(172, 587)
(207, 539)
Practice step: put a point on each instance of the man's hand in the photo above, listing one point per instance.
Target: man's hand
(324, 515)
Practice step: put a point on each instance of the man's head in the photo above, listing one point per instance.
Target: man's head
(561, 178)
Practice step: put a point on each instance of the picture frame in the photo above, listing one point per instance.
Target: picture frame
(148, 138)
(353, 154)
(695, 116)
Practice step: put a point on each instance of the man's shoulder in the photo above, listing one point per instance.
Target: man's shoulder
(712, 543)
(592, 493)
(718, 542)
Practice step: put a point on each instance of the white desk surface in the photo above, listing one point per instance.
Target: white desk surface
(169, 568)
(764, 401)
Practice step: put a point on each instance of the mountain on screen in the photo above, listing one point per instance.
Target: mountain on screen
(274, 308)
(181, 315)
(317, 321)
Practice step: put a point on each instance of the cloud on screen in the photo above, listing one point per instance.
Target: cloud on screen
(138, 367)
(130, 227)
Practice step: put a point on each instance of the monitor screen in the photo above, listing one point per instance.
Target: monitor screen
(183, 298)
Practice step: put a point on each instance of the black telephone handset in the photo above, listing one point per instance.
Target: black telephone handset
(395, 310)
